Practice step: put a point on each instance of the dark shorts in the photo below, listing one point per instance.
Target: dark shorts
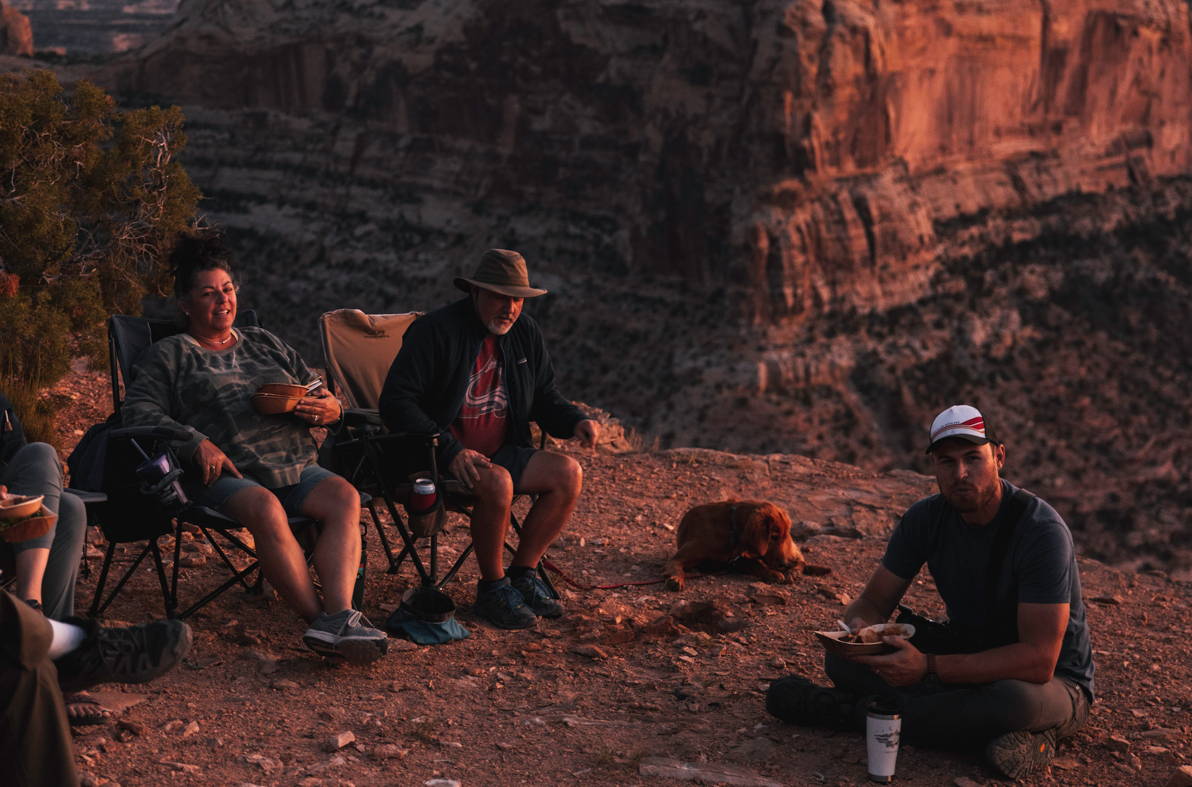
(292, 497)
(514, 458)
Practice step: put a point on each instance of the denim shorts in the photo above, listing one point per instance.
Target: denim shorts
(292, 497)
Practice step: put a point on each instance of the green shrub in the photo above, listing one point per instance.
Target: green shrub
(90, 200)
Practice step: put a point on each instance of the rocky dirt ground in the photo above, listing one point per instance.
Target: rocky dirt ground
(631, 683)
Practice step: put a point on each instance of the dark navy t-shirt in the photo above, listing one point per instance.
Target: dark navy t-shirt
(1040, 568)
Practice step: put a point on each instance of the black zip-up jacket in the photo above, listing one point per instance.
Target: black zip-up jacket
(425, 388)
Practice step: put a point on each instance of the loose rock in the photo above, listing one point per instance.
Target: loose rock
(591, 651)
(338, 741)
(1182, 777)
(702, 773)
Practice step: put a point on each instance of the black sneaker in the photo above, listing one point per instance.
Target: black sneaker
(1016, 754)
(135, 654)
(347, 635)
(501, 605)
(796, 700)
(537, 595)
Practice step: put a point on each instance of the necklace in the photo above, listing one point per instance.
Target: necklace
(217, 342)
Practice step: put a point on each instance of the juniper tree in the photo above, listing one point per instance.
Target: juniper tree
(90, 198)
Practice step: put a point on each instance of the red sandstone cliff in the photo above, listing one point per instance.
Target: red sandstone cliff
(16, 34)
(796, 226)
(808, 147)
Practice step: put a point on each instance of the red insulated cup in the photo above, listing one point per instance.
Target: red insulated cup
(424, 497)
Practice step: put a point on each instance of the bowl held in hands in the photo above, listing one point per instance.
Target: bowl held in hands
(839, 641)
(274, 404)
(283, 389)
(19, 506)
(29, 527)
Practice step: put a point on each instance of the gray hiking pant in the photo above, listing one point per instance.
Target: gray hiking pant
(958, 716)
(35, 470)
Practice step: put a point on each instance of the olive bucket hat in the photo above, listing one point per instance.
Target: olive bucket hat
(501, 271)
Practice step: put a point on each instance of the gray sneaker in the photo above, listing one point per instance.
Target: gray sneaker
(537, 595)
(347, 635)
(1016, 754)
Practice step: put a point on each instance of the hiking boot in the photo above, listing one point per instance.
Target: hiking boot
(502, 605)
(346, 635)
(796, 700)
(135, 654)
(1016, 754)
(537, 595)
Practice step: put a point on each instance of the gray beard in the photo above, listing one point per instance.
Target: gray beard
(496, 328)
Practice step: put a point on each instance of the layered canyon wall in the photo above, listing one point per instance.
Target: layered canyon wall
(797, 226)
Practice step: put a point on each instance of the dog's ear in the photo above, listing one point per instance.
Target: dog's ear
(777, 529)
(757, 533)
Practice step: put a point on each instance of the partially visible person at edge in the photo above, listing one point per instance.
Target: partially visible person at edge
(1012, 668)
(41, 657)
(476, 372)
(45, 569)
(256, 469)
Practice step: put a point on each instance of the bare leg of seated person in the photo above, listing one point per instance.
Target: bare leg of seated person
(31, 570)
(336, 630)
(557, 480)
(281, 557)
(335, 504)
(496, 599)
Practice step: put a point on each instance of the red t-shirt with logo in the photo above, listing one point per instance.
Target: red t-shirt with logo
(480, 424)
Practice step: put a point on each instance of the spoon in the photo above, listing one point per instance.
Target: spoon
(848, 629)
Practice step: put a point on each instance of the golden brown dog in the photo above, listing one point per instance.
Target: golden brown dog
(753, 535)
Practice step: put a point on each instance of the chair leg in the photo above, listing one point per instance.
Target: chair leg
(167, 597)
(358, 588)
(455, 567)
(255, 587)
(94, 609)
(409, 550)
(394, 563)
(97, 607)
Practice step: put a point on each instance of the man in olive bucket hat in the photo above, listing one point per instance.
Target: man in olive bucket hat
(476, 372)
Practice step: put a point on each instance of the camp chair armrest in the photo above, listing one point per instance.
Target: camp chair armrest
(154, 432)
(360, 417)
(370, 419)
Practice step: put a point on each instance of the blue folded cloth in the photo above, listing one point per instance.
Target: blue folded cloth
(404, 623)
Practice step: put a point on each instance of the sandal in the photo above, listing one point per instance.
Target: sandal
(83, 710)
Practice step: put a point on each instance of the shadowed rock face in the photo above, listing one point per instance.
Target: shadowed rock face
(796, 226)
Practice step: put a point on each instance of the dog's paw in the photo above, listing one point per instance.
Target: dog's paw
(674, 583)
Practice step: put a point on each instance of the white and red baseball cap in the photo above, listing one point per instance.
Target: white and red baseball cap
(963, 421)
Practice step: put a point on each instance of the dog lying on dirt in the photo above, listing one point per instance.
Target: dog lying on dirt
(753, 535)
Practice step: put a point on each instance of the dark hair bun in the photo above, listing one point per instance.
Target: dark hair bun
(194, 253)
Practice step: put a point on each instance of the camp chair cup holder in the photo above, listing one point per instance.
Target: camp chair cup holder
(425, 510)
(159, 479)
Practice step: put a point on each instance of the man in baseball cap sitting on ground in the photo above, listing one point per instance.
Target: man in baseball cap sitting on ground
(476, 372)
(1011, 669)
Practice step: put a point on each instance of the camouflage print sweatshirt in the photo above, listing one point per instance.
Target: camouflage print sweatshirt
(179, 383)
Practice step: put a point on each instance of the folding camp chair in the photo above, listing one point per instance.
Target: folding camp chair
(358, 350)
(145, 499)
